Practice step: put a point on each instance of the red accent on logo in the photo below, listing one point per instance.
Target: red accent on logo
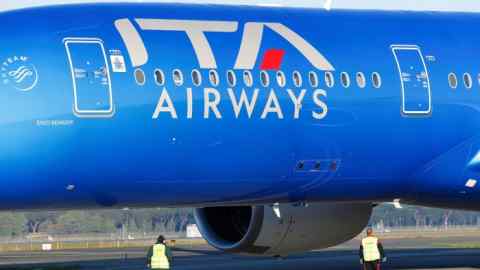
(272, 60)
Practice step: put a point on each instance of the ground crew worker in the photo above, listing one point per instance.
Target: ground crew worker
(371, 252)
(159, 255)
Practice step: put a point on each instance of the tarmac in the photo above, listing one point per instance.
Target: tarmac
(402, 254)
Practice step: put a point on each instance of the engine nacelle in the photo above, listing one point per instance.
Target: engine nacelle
(281, 229)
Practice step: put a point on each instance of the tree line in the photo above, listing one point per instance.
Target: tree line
(176, 220)
(98, 221)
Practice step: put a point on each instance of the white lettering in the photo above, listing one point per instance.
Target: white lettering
(250, 46)
(252, 39)
(133, 41)
(195, 31)
(238, 105)
(243, 102)
(165, 98)
(316, 98)
(189, 103)
(272, 106)
(297, 101)
(210, 105)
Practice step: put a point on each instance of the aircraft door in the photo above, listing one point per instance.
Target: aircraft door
(414, 80)
(92, 88)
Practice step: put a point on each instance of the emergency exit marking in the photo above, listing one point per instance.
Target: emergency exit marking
(471, 183)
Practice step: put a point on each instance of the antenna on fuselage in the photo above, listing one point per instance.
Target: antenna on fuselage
(328, 4)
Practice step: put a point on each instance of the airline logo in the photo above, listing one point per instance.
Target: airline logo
(273, 59)
(20, 73)
(243, 103)
(195, 30)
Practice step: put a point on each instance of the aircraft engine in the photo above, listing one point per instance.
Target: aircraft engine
(279, 230)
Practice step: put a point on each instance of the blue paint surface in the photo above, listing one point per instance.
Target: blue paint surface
(365, 149)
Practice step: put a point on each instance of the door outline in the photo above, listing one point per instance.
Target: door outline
(399, 69)
(90, 113)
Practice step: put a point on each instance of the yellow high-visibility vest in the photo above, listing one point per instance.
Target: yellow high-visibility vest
(159, 258)
(370, 249)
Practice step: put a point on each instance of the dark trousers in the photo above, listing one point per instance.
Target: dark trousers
(375, 265)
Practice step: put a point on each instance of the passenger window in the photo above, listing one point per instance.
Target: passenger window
(159, 77)
(281, 81)
(196, 77)
(467, 80)
(345, 78)
(361, 81)
(265, 78)
(140, 76)
(376, 80)
(247, 78)
(177, 77)
(297, 79)
(313, 77)
(329, 80)
(231, 78)
(214, 80)
(452, 80)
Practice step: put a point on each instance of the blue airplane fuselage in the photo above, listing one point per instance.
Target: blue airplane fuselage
(100, 108)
